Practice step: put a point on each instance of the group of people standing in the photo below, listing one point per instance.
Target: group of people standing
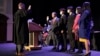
(74, 27)
(61, 29)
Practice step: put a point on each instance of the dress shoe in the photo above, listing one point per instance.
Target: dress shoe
(62, 50)
(88, 54)
(54, 48)
(79, 51)
(71, 50)
(19, 54)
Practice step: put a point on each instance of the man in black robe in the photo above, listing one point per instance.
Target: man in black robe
(21, 32)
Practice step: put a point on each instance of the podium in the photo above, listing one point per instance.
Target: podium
(34, 31)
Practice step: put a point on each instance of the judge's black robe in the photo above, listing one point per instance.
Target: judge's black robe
(21, 32)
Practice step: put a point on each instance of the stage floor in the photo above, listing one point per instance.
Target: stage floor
(8, 49)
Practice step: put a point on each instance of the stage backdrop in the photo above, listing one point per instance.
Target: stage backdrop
(6, 10)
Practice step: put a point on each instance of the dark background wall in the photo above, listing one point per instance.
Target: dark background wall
(42, 8)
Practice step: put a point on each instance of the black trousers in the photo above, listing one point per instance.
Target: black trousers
(19, 48)
(63, 41)
(71, 39)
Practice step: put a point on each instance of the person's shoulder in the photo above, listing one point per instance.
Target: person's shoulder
(73, 14)
(86, 11)
(64, 15)
(57, 18)
(18, 11)
(78, 15)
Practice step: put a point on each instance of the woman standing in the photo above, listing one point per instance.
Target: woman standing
(84, 27)
(76, 27)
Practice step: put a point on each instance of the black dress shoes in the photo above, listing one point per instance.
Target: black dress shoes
(79, 51)
(54, 48)
(88, 54)
(71, 50)
(62, 50)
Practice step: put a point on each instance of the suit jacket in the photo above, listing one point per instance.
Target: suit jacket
(76, 25)
(63, 23)
(54, 25)
(70, 21)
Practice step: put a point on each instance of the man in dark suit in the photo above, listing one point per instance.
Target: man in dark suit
(63, 29)
(54, 29)
(70, 22)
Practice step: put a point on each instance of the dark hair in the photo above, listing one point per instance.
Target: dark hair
(55, 13)
(62, 9)
(86, 6)
(70, 8)
(79, 9)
